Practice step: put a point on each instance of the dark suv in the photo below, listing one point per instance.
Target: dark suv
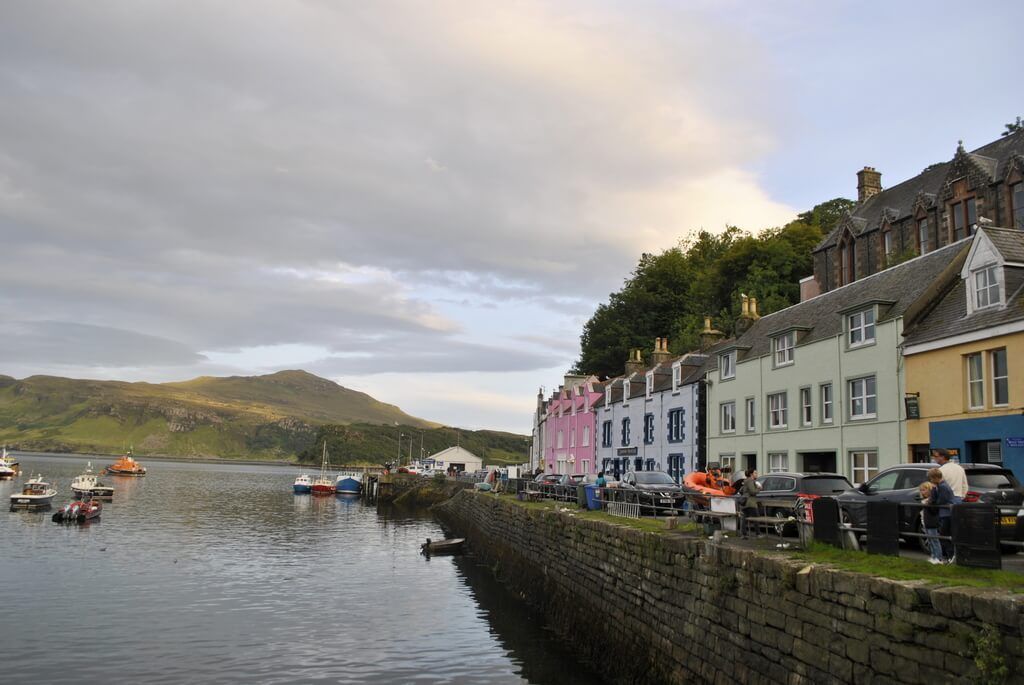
(655, 491)
(985, 482)
(792, 486)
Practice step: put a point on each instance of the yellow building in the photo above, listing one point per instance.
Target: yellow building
(963, 359)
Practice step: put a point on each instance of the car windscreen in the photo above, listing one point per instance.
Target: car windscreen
(654, 478)
(989, 481)
(824, 486)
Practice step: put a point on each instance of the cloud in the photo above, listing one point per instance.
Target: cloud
(74, 344)
(272, 175)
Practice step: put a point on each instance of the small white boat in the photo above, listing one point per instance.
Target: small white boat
(35, 494)
(8, 465)
(88, 484)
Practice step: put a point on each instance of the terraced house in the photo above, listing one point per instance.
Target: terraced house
(564, 440)
(819, 386)
(649, 418)
(964, 356)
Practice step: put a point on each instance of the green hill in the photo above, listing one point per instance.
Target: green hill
(273, 416)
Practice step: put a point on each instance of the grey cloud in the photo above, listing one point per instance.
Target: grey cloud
(438, 356)
(65, 343)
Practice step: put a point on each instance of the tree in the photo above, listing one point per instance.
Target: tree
(1013, 127)
(668, 294)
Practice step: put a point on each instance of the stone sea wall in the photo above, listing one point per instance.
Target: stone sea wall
(675, 608)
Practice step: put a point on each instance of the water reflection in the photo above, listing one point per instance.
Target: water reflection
(219, 573)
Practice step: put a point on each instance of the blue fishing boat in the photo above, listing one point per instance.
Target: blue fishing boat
(347, 484)
(303, 485)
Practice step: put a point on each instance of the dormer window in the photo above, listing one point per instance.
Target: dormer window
(847, 260)
(625, 392)
(1017, 205)
(923, 236)
(888, 241)
(677, 376)
(963, 218)
(783, 346)
(986, 287)
(650, 385)
(608, 396)
(727, 365)
(861, 326)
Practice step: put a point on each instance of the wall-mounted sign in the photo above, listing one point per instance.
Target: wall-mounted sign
(626, 451)
(1015, 442)
(913, 404)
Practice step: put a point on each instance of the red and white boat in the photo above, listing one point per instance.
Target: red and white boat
(8, 466)
(323, 484)
(79, 511)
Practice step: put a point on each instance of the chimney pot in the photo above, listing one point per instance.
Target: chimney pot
(753, 309)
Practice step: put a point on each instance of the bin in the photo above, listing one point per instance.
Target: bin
(593, 496)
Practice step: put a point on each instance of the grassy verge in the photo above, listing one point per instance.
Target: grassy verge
(897, 568)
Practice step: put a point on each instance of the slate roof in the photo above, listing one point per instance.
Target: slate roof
(898, 202)
(821, 317)
(948, 316)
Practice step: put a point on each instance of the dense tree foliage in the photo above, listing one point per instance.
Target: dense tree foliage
(1013, 127)
(668, 294)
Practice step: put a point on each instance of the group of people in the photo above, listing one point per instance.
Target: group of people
(946, 486)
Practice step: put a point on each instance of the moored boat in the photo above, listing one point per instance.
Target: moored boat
(79, 511)
(323, 484)
(302, 485)
(87, 484)
(449, 546)
(35, 494)
(126, 466)
(8, 465)
(348, 484)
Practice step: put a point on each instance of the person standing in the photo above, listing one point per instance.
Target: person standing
(930, 522)
(942, 498)
(749, 490)
(952, 473)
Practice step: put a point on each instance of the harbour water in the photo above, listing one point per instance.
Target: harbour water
(218, 573)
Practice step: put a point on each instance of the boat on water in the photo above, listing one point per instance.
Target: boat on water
(8, 465)
(449, 546)
(348, 484)
(88, 485)
(323, 484)
(79, 511)
(126, 466)
(35, 494)
(303, 484)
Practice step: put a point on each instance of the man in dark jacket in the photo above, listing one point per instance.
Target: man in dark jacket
(749, 491)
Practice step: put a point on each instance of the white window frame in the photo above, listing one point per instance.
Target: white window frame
(751, 414)
(586, 436)
(608, 397)
(858, 325)
(649, 388)
(868, 467)
(778, 462)
(973, 382)
(987, 283)
(864, 398)
(806, 401)
(625, 393)
(572, 437)
(727, 414)
(727, 365)
(781, 411)
(995, 378)
(783, 346)
(889, 243)
(828, 406)
(561, 439)
(727, 462)
(677, 376)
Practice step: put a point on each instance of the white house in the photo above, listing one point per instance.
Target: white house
(459, 457)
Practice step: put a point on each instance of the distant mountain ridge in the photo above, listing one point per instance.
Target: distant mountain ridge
(271, 416)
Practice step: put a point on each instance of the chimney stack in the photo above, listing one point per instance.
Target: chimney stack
(869, 182)
(635, 363)
(661, 353)
(747, 315)
(709, 336)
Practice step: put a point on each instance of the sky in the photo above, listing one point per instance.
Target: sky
(426, 201)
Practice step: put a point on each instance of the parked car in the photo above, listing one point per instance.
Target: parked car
(792, 486)
(548, 478)
(986, 483)
(571, 479)
(655, 491)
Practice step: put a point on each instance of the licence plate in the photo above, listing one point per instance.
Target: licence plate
(1007, 520)
(666, 500)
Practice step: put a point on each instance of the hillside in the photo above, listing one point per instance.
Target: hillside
(273, 416)
(361, 443)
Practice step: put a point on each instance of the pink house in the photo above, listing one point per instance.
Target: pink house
(570, 426)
